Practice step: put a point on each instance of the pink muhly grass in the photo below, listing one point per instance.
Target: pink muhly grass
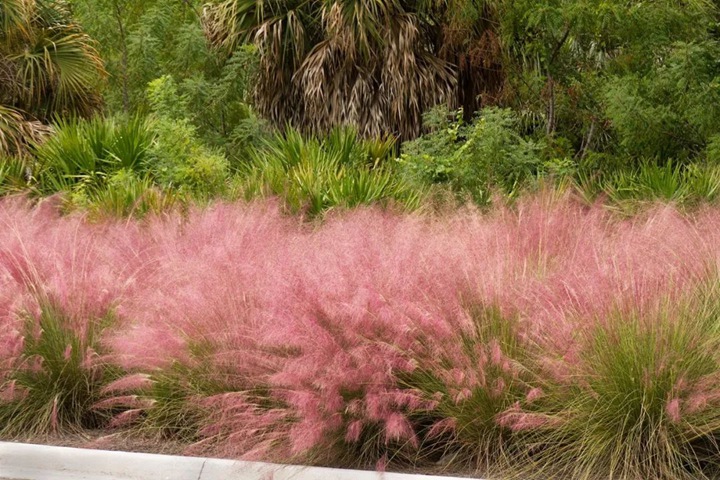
(356, 334)
(129, 383)
(397, 428)
(129, 401)
(247, 425)
(123, 419)
(518, 420)
(11, 393)
(534, 394)
(54, 422)
(441, 427)
(697, 403)
(672, 408)
(354, 430)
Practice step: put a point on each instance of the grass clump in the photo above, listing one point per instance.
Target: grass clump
(313, 176)
(476, 386)
(643, 400)
(58, 376)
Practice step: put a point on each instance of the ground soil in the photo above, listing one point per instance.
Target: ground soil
(102, 440)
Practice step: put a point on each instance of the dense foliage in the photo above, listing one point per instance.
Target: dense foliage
(48, 66)
(485, 98)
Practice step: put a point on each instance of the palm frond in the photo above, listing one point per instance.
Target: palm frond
(17, 132)
(372, 64)
(49, 64)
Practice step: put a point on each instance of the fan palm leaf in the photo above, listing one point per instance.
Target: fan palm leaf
(48, 67)
(17, 132)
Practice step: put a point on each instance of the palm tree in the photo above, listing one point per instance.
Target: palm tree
(48, 67)
(374, 64)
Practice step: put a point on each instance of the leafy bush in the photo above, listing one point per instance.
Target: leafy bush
(181, 162)
(670, 112)
(473, 158)
(216, 109)
(180, 159)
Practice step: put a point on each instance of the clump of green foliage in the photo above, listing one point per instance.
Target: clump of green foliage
(105, 165)
(473, 158)
(313, 175)
(180, 159)
(13, 175)
(57, 378)
(671, 111)
(84, 154)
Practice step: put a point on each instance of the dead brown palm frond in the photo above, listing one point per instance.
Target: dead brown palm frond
(368, 63)
(10, 89)
(14, 18)
(379, 79)
(471, 42)
(18, 133)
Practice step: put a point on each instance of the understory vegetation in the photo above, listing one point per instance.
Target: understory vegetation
(127, 107)
(473, 236)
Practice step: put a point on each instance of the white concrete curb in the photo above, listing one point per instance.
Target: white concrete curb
(19, 461)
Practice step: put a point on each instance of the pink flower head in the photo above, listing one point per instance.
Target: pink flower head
(534, 394)
(672, 408)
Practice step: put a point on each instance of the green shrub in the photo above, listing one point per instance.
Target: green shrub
(217, 110)
(670, 112)
(180, 159)
(86, 152)
(314, 175)
(473, 158)
(57, 378)
(182, 162)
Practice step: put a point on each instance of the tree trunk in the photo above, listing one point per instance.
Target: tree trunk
(124, 63)
(550, 127)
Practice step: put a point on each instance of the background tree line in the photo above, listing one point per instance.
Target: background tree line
(594, 90)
